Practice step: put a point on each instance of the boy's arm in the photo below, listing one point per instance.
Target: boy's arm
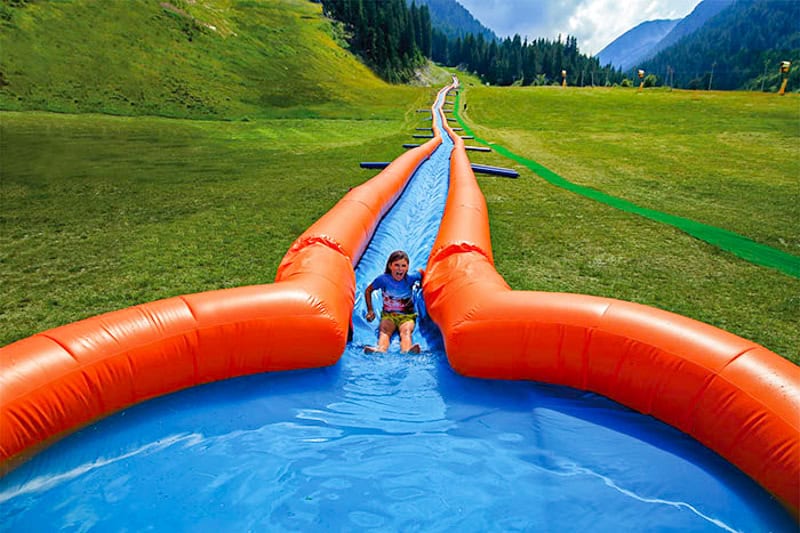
(368, 301)
(421, 277)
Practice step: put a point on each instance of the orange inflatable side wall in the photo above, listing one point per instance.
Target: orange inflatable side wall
(730, 394)
(61, 379)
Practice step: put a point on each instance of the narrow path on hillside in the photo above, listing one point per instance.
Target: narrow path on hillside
(739, 245)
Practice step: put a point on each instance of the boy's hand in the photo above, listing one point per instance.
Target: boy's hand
(370, 316)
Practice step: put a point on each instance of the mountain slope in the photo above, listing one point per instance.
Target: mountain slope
(649, 38)
(736, 47)
(636, 44)
(454, 20)
(215, 59)
(702, 13)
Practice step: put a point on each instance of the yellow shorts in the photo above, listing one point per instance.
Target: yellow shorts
(398, 318)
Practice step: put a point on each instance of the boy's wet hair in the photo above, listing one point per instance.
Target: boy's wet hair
(394, 256)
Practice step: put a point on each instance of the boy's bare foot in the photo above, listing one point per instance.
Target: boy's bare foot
(371, 349)
(414, 349)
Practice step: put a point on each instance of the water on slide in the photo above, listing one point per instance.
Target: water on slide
(384, 442)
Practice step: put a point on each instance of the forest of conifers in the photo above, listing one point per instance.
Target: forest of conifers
(739, 49)
(394, 39)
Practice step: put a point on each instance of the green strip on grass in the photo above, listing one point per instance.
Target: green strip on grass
(747, 249)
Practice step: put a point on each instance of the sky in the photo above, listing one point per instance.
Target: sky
(594, 23)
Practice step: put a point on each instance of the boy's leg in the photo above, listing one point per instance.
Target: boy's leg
(406, 329)
(385, 335)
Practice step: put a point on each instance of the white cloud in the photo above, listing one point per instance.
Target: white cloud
(595, 23)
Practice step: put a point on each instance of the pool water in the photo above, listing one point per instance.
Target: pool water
(382, 442)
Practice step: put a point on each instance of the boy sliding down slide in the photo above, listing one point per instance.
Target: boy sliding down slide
(398, 314)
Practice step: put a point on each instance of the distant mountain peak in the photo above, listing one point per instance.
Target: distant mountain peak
(648, 38)
(636, 44)
(692, 22)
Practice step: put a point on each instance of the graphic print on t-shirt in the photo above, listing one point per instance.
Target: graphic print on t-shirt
(397, 295)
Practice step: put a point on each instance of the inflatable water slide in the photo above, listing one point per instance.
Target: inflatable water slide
(732, 395)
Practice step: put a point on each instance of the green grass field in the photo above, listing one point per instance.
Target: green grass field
(725, 159)
(101, 212)
(151, 149)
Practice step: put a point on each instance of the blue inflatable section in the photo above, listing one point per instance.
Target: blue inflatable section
(384, 442)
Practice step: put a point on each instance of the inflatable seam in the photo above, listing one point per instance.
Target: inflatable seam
(718, 375)
(608, 305)
(189, 308)
(325, 240)
(737, 356)
(61, 345)
(457, 248)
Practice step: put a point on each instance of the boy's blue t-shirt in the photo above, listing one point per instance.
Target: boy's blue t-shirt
(397, 295)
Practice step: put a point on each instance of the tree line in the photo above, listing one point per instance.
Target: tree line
(394, 39)
(516, 61)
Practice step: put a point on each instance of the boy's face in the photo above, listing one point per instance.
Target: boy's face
(398, 269)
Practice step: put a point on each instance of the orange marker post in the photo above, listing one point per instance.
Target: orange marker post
(785, 66)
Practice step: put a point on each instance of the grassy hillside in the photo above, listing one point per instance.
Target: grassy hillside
(101, 213)
(725, 159)
(212, 59)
